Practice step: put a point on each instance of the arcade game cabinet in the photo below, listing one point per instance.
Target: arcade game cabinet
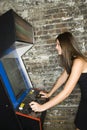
(16, 89)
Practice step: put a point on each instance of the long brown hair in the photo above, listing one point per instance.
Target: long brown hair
(70, 50)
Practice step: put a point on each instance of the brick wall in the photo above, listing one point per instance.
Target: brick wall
(49, 18)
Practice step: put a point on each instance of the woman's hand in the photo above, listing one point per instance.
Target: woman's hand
(35, 106)
(44, 94)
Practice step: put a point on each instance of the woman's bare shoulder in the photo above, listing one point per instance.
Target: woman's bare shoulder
(80, 63)
(78, 60)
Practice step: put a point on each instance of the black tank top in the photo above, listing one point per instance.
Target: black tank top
(83, 85)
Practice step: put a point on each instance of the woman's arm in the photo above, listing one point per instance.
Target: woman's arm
(76, 71)
(61, 80)
(63, 77)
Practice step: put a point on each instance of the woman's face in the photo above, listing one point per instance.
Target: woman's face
(58, 47)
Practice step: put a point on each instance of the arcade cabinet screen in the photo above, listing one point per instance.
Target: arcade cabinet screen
(15, 75)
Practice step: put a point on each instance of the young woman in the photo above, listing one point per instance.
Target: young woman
(75, 71)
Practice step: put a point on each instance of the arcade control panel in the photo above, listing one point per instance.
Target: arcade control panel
(26, 114)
